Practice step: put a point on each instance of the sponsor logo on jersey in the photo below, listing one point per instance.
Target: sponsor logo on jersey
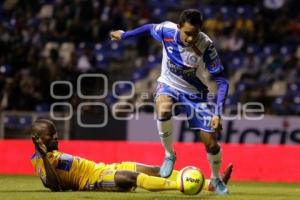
(168, 39)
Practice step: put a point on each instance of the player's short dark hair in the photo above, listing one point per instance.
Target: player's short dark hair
(192, 16)
(42, 126)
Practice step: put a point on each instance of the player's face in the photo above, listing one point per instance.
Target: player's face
(188, 33)
(50, 140)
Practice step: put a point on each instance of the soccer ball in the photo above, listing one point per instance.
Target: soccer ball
(190, 180)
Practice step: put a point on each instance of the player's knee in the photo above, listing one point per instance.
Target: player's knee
(164, 115)
(149, 170)
(154, 171)
(212, 147)
(126, 179)
(164, 108)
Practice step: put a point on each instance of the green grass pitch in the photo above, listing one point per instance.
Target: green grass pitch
(29, 187)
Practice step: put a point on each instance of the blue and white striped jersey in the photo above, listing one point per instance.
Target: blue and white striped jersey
(182, 64)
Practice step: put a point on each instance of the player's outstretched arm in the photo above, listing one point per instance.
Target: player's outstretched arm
(216, 69)
(116, 35)
(51, 177)
(51, 180)
(142, 30)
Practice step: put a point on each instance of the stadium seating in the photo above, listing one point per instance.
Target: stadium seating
(87, 47)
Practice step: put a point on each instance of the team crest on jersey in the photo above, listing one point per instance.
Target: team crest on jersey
(192, 60)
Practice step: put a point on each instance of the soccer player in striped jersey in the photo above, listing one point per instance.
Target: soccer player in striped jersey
(60, 171)
(187, 51)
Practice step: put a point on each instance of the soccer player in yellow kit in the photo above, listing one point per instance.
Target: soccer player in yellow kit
(59, 171)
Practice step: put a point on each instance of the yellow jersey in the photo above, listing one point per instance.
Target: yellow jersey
(73, 172)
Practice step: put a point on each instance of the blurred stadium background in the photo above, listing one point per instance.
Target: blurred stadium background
(43, 41)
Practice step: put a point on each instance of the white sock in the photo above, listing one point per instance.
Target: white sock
(215, 164)
(165, 134)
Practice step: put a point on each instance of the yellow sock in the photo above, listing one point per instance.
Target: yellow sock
(206, 185)
(153, 183)
(173, 176)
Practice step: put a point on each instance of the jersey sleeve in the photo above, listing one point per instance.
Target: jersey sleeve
(154, 30)
(157, 32)
(142, 30)
(216, 69)
(212, 60)
(39, 169)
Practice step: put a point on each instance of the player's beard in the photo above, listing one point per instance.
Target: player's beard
(52, 146)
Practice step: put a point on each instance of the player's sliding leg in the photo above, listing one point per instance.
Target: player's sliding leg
(207, 184)
(164, 125)
(153, 183)
(154, 171)
(127, 179)
(213, 150)
(148, 169)
(143, 168)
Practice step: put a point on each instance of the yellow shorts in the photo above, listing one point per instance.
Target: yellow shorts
(106, 181)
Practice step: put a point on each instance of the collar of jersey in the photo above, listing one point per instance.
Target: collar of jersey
(178, 41)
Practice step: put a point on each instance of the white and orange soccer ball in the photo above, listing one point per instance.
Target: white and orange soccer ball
(190, 180)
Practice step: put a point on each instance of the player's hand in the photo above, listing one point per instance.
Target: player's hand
(39, 145)
(116, 35)
(216, 123)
